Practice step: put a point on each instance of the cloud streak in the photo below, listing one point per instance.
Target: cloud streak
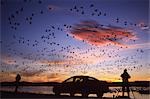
(96, 34)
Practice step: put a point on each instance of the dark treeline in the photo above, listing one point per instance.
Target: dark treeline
(29, 84)
(136, 84)
(110, 84)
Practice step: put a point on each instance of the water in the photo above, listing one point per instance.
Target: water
(30, 89)
(48, 90)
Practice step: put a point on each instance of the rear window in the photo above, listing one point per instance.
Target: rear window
(91, 79)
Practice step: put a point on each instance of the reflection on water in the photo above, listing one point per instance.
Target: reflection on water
(48, 90)
(30, 89)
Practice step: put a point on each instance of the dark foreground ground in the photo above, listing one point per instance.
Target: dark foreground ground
(6, 95)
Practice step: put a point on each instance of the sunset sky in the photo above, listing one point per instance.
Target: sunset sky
(52, 40)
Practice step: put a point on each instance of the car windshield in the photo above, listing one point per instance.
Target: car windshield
(69, 80)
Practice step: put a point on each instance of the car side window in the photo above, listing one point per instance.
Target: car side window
(79, 80)
(91, 79)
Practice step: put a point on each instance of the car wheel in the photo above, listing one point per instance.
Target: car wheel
(85, 95)
(100, 94)
(72, 94)
(57, 93)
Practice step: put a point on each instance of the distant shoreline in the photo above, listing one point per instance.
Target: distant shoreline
(6, 94)
(110, 84)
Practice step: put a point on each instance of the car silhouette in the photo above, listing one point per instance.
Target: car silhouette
(84, 85)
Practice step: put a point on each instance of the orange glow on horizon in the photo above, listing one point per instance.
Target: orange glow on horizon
(58, 78)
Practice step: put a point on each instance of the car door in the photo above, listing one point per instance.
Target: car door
(68, 85)
(78, 84)
(92, 84)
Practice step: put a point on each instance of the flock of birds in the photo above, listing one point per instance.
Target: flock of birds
(48, 48)
(97, 12)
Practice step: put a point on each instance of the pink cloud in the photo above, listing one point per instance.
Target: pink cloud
(94, 33)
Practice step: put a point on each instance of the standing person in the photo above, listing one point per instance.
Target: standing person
(18, 78)
(125, 76)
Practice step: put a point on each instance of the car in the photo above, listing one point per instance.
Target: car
(84, 85)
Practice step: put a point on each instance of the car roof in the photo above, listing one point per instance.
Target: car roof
(82, 76)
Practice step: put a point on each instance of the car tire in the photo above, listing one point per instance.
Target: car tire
(72, 94)
(57, 93)
(100, 94)
(85, 95)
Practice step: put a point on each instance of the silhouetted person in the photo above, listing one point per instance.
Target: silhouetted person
(18, 78)
(125, 76)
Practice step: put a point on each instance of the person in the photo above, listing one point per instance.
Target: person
(125, 76)
(18, 78)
